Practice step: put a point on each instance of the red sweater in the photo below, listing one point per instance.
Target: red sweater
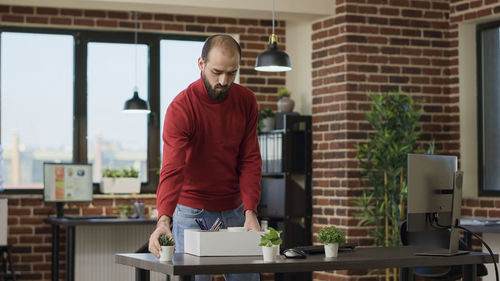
(211, 157)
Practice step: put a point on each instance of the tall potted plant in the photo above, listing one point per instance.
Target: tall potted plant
(383, 158)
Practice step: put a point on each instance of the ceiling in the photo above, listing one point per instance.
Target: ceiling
(291, 10)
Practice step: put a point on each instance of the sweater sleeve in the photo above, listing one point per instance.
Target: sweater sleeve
(250, 162)
(175, 140)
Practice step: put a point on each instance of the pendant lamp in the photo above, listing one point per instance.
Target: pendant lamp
(273, 60)
(136, 104)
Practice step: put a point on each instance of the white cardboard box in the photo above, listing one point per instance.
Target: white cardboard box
(222, 243)
(3, 221)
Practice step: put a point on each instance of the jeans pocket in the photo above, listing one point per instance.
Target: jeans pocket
(185, 211)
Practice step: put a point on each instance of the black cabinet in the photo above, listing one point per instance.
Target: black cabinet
(286, 200)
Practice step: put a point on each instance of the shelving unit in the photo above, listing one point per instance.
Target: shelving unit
(286, 200)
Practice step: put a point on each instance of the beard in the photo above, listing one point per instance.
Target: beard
(218, 92)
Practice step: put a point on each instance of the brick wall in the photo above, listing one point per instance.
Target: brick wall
(380, 46)
(31, 238)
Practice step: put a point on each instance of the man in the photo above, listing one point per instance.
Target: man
(211, 161)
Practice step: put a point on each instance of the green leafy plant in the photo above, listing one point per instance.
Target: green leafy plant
(267, 112)
(283, 92)
(165, 240)
(125, 209)
(271, 238)
(120, 173)
(383, 158)
(330, 235)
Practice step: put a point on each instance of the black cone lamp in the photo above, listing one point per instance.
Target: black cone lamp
(273, 60)
(136, 104)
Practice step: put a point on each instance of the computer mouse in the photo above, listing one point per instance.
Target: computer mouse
(294, 254)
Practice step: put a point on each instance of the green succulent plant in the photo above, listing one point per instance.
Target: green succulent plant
(283, 92)
(165, 240)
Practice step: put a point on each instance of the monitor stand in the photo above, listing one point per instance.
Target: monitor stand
(455, 220)
(59, 209)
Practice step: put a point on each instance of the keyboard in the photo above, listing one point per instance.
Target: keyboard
(320, 249)
(90, 217)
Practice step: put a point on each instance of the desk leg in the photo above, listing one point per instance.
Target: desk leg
(141, 274)
(55, 252)
(187, 277)
(406, 274)
(70, 254)
(469, 272)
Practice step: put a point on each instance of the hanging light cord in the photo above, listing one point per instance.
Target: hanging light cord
(135, 53)
(273, 16)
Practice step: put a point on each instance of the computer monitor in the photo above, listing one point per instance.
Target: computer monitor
(67, 182)
(435, 198)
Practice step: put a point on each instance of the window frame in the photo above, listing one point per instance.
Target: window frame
(81, 40)
(480, 147)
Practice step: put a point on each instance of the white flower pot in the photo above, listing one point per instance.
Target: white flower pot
(331, 250)
(269, 253)
(166, 253)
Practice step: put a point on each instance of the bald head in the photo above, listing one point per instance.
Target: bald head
(223, 41)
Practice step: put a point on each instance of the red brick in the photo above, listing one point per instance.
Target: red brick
(107, 23)
(47, 11)
(11, 18)
(71, 12)
(84, 22)
(174, 27)
(61, 21)
(118, 15)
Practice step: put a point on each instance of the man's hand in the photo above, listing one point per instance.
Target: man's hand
(162, 228)
(251, 221)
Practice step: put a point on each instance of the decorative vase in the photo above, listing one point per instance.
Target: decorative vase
(331, 250)
(166, 253)
(285, 104)
(267, 124)
(269, 253)
(276, 250)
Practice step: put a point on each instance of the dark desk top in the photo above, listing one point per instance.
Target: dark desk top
(94, 221)
(361, 258)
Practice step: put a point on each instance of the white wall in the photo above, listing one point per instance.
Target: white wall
(299, 79)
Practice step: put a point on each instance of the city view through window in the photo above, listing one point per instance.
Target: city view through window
(37, 102)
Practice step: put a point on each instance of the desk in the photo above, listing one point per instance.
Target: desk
(479, 226)
(70, 244)
(187, 266)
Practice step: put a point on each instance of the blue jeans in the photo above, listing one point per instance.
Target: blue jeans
(184, 219)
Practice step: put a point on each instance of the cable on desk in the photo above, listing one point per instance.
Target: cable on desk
(434, 219)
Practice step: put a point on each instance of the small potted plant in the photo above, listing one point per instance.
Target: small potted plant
(285, 103)
(125, 210)
(266, 120)
(331, 237)
(270, 243)
(167, 248)
(124, 180)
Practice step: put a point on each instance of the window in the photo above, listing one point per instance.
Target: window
(36, 105)
(179, 68)
(488, 44)
(115, 139)
(62, 93)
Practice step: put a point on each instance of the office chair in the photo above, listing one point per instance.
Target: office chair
(439, 239)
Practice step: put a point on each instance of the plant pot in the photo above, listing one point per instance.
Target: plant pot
(269, 253)
(331, 250)
(285, 104)
(166, 253)
(267, 124)
(120, 185)
(276, 249)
